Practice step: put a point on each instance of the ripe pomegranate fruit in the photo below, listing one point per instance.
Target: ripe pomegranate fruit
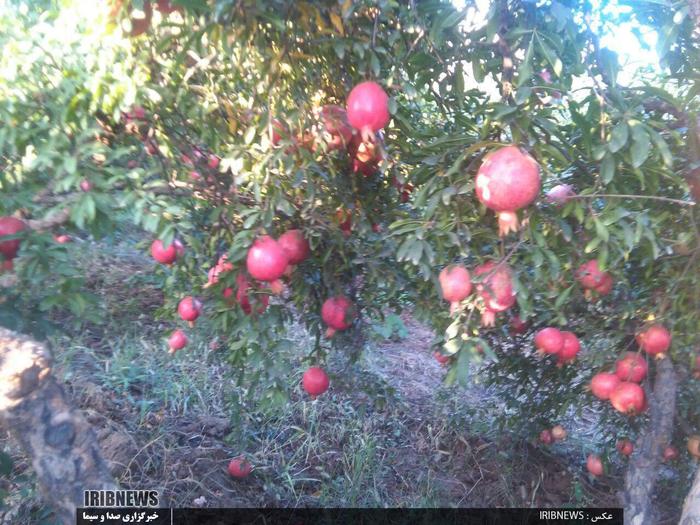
(496, 290)
(366, 156)
(508, 180)
(606, 284)
(195, 175)
(213, 162)
(334, 127)
(559, 432)
(628, 398)
(338, 313)
(517, 325)
(177, 341)
(189, 309)
(244, 293)
(239, 467)
(560, 194)
(632, 368)
(655, 340)
(694, 446)
(625, 447)
(569, 349)
(10, 226)
(441, 358)
(166, 7)
(405, 192)
(266, 260)
(295, 246)
(315, 381)
(456, 285)
(85, 185)
(63, 238)
(670, 453)
(222, 266)
(165, 255)
(368, 109)
(546, 437)
(549, 340)
(589, 274)
(594, 465)
(602, 385)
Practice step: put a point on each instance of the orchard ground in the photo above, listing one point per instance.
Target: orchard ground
(388, 433)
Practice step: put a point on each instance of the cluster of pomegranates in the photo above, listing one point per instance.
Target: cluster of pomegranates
(556, 433)
(560, 343)
(592, 279)
(494, 287)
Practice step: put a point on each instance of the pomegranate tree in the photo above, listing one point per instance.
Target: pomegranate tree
(368, 109)
(508, 180)
(239, 467)
(10, 226)
(315, 381)
(655, 340)
(495, 289)
(266, 260)
(456, 285)
(338, 313)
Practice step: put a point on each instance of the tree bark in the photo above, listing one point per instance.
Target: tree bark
(60, 442)
(691, 508)
(644, 463)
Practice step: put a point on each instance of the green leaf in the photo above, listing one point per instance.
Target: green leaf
(618, 137)
(607, 169)
(641, 147)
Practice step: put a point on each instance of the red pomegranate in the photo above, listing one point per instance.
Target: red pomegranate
(594, 465)
(336, 130)
(589, 274)
(295, 246)
(517, 325)
(166, 7)
(456, 285)
(63, 238)
(338, 313)
(606, 284)
(177, 341)
(189, 309)
(560, 194)
(670, 453)
(508, 180)
(655, 340)
(602, 385)
(10, 226)
(239, 467)
(266, 260)
(441, 358)
(244, 293)
(549, 340)
(278, 131)
(213, 162)
(165, 255)
(222, 266)
(496, 290)
(628, 398)
(632, 368)
(559, 432)
(315, 381)
(570, 348)
(625, 447)
(546, 437)
(368, 109)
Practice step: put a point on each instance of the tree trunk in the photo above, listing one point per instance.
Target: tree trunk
(691, 508)
(644, 463)
(60, 442)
